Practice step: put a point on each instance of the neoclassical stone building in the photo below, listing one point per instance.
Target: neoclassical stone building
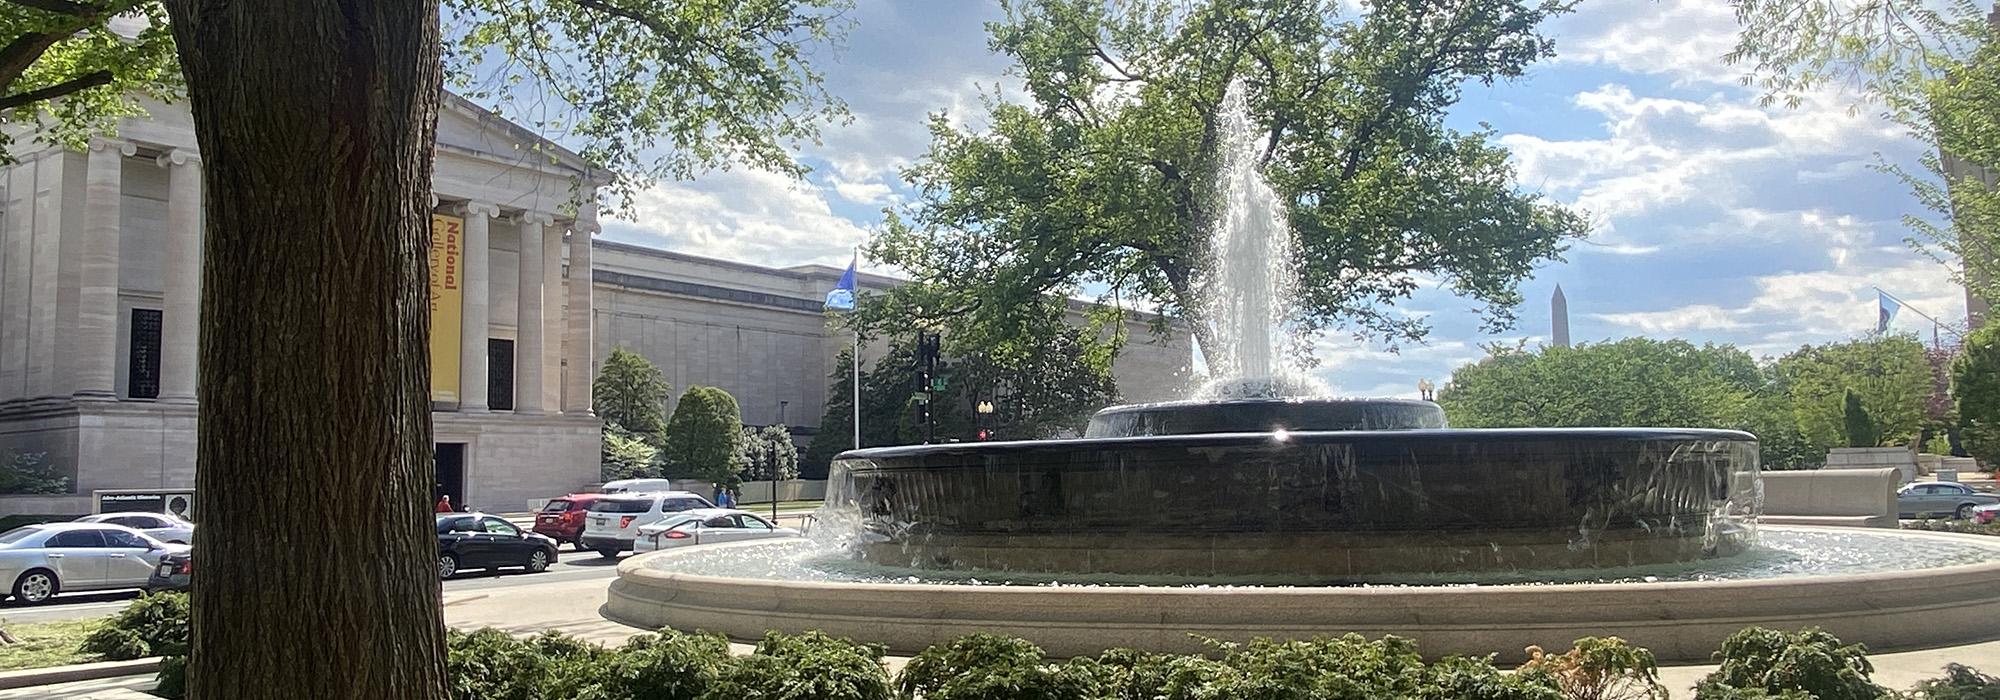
(99, 296)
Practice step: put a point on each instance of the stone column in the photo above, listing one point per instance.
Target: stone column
(474, 274)
(528, 320)
(95, 352)
(579, 370)
(182, 272)
(552, 319)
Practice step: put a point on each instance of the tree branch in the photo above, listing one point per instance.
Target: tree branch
(22, 52)
(652, 23)
(61, 7)
(81, 82)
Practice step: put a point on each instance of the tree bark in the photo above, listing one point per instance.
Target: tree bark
(316, 122)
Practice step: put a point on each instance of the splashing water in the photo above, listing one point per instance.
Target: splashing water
(1250, 279)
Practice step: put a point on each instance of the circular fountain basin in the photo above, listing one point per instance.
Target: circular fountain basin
(1894, 591)
(1263, 415)
(1322, 504)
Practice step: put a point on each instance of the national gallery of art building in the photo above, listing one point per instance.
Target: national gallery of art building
(99, 299)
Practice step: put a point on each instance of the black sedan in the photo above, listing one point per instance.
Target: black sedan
(479, 541)
(174, 573)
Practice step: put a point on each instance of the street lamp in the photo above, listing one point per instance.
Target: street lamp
(985, 409)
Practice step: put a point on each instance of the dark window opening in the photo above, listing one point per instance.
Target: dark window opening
(143, 375)
(500, 374)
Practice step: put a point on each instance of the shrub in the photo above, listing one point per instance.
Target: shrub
(31, 472)
(1959, 683)
(1598, 669)
(172, 681)
(988, 667)
(1810, 664)
(154, 625)
(666, 666)
(810, 666)
(492, 665)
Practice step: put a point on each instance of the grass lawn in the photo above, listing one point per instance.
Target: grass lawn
(46, 644)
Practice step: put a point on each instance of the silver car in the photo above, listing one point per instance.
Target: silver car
(707, 526)
(160, 526)
(43, 560)
(1925, 499)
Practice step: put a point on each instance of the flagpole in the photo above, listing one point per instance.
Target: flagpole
(857, 388)
(1935, 324)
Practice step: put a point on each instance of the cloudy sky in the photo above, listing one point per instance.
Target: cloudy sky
(1715, 219)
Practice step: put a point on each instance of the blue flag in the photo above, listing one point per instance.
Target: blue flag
(842, 296)
(1886, 309)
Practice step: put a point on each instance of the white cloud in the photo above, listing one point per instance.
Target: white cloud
(750, 216)
(1682, 39)
(1672, 321)
(862, 192)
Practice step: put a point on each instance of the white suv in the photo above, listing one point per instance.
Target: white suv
(614, 522)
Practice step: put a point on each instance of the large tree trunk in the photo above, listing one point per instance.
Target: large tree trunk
(316, 122)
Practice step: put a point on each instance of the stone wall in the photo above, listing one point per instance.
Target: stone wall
(513, 462)
(1842, 497)
(1902, 459)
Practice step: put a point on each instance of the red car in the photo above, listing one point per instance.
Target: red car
(562, 519)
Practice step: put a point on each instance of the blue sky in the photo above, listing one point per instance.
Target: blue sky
(1715, 219)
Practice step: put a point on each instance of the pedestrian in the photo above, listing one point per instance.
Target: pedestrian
(444, 504)
(723, 499)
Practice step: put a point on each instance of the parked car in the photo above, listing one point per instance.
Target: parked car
(636, 486)
(1985, 515)
(175, 572)
(161, 526)
(613, 523)
(43, 560)
(1925, 499)
(561, 519)
(481, 541)
(707, 526)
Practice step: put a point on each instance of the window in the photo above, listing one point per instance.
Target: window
(143, 372)
(621, 506)
(126, 540)
(676, 505)
(496, 526)
(136, 521)
(721, 521)
(77, 538)
(755, 523)
(556, 506)
(1953, 489)
(19, 533)
(500, 374)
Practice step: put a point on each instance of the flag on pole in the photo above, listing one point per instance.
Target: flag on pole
(842, 296)
(1886, 309)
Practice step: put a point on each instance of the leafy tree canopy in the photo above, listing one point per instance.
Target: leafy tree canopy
(769, 454)
(1099, 178)
(1635, 382)
(644, 88)
(1889, 376)
(630, 394)
(704, 437)
(1975, 383)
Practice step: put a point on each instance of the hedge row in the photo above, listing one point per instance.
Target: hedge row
(1755, 664)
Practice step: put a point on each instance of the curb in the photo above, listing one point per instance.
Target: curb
(80, 672)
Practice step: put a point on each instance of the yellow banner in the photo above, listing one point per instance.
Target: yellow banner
(447, 257)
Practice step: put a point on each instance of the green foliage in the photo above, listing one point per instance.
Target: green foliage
(490, 664)
(1975, 383)
(672, 88)
(1889, 374)
(1101, 176)
(1635, 382)
(171, 683)
(1966, 527)
(631, 395)
(1959, 683)
(988, 667)
(1810, 664)
(667, 666)
(1855, 425)
(769, 454)
(154, 625)
(31, 472)
(704, 436)
(626, 455)
(73, 54)
(810, 666)
(1597, 669)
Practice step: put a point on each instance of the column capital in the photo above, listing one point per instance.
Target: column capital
(586, 219)
(179, 156)
(473, 206)
(126, 148)
(536, 217)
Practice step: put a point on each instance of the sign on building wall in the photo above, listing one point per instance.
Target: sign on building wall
(447, 255)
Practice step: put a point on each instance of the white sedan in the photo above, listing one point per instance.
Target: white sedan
(707, 526)
(39, 561)
(159, 526)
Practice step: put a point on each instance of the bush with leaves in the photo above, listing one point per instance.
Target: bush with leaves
(1959, 683)
(1759, 663)
(154, 625)
(31, 473)
(627, 455)
(988, 667)
(1598, 668)
(492, 665)
(666, 666)
(171, 683)
(704, 437)
(810, 665)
